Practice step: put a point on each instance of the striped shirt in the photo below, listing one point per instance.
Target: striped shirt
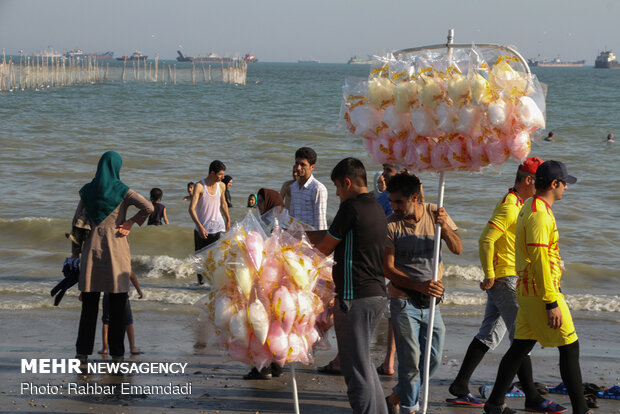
(538, 262)
(309, 203)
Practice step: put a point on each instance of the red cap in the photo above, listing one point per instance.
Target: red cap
(530, 165)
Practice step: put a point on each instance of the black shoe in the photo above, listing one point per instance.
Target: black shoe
(255, 374)
(276, 370)
(497, 409)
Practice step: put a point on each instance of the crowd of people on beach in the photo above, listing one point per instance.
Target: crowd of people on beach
(382, 241)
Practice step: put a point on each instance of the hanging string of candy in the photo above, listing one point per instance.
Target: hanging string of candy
(270, 296)
(431, 111)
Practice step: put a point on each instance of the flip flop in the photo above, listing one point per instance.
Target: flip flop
(612, 393)
(469, 400)
(559, 389)
(547, 406)
(383, 372)
(136, 352)
(485, 391)
(329, 370)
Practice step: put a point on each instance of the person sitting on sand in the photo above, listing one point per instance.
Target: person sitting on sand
(105, 318)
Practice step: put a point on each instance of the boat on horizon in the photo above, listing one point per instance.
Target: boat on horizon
(213, 58)
(606, 60)
(556, 63)
(48, 53)
(359, 61)
(308, 61)
(79, 54)
(135, 57)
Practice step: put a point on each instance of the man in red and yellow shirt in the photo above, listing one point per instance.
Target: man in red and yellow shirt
(543, 315)
(497, 257)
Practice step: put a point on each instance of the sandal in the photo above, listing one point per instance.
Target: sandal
(469, 400)
(547, 406)
(329, 369)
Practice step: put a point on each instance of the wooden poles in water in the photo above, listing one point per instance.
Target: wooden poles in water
(38, 72)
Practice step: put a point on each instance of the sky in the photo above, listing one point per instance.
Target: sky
(288, 30)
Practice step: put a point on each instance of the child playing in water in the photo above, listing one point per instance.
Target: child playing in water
(158, 216)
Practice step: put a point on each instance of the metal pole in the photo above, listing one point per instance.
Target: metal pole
(431, 310)
(294, 381)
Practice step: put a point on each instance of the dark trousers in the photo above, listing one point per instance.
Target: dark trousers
(200, 243)
(88, 324)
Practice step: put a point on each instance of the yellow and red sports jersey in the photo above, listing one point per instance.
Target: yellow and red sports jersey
(496, 245)
(537, 252)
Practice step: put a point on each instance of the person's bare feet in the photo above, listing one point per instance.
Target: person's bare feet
(383, 370)
(104, 351)
(136, 351)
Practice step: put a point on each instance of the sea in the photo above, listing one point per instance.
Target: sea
(167, 134)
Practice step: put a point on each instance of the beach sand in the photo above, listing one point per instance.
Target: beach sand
(217, 385)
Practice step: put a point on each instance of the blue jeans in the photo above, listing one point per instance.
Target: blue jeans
(410, 325)
(500, 313)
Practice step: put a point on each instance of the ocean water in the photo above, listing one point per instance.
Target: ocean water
(51, 140)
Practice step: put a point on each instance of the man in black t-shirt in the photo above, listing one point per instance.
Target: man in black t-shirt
(357, 237)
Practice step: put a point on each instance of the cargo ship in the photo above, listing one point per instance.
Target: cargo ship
(359, 61)
(135, 57)
(556, 63)
(308, 61)
(606, 60)
(213, 58)
(79, 54)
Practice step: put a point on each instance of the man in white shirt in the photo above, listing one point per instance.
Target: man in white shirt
(308, 195)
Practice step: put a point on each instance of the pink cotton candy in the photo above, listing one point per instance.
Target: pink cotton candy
(239, 352)
(458, 156)
(261, 356)
(277, 341)
(445, 118)
(496, 151)
(439, 156)
(399, 149)
(519, 146)
(476, 151)
(270, 274)
(312, 335)
(283, 308)
(254, 244)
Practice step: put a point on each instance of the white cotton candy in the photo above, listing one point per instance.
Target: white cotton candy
(380, 92)
(529, 113)
(259, 320)
(224, 310)
(445, 118)
(405, 96)
(505, 77)
(498, 113)
(366, 119)
(239, 329)
(397, 122)
(423, 122)
(469, 118)
(219, 278)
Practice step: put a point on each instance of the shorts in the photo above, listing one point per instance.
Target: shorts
(532, 323)
(105, 314)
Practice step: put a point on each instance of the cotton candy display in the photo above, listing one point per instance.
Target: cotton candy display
(434, 112)
(270, 298)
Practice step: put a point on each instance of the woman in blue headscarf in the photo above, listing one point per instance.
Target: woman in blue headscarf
(105, 262)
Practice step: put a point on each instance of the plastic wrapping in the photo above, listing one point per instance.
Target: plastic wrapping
(427, 110)
(270, 296)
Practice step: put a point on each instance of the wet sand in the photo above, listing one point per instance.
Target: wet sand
(217, 385)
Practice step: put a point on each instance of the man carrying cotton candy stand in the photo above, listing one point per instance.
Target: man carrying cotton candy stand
(497, 257)
(543, 314)
(409, 266)
(357, 236)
